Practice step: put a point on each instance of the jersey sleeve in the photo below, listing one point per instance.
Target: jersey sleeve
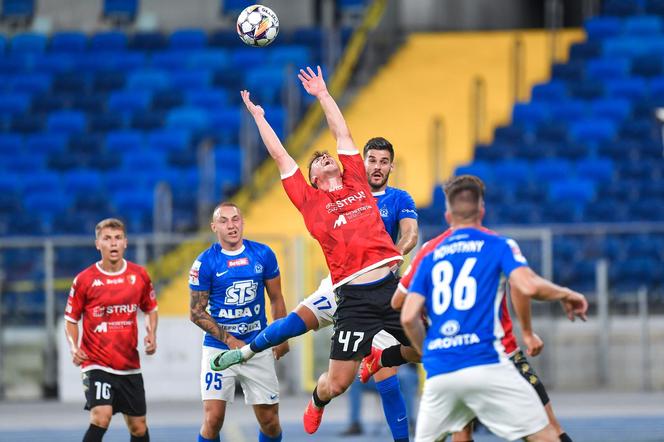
(296, 187)
(76, 300)
(271, 266)
(511, 257)
(200, 275)
(353, 166)
(421, 282)
(406, 207)
(149, 295)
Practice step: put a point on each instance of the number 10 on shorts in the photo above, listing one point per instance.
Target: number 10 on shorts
(345, 338)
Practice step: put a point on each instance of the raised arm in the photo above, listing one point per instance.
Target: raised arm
(314, 84)
(285, 163)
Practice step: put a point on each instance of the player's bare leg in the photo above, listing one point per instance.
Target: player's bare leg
(279, 332)
(330, 384)
(546, 434)
(137, 426)
(267, 416)
(101, 415)
(465, 435)
(385, 373)
(213, 419)
(374, 361)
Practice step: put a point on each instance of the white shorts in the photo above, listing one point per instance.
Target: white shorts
(257, 377)
(495, 393)
(323, 305)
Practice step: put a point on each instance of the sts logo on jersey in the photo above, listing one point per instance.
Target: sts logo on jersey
(241, 293)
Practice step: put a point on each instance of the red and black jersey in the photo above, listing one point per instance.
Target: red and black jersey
(346, 221)
(508, 340)
(108, 304)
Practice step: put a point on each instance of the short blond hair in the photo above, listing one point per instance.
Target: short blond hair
(225, 204)
(111, 223)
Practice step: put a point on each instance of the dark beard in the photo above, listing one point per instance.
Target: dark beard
(376, 188)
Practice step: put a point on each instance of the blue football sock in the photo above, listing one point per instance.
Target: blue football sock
(394, 407)
(279, 331)
(262, 437)
(202, 439)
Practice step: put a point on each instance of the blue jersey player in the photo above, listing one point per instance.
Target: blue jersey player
(227, 283)
(398, 213)
(460, 285)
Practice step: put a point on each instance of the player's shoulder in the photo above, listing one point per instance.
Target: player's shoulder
(208, 253)
(397, 192)
(87, 274)
(257, 248)
(139, 269)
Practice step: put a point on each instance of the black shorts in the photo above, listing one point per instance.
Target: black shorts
(124, 392)
(528, 372)
(363, 311)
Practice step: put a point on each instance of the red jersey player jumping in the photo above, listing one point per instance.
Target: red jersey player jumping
(341, 214)
(107, 296)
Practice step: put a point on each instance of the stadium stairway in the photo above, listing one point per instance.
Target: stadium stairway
(430, 75)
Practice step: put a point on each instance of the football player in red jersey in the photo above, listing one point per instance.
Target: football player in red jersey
(341, 214)
(108, 295)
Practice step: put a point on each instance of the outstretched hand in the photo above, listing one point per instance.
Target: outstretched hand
(313, 83)
(255, 110)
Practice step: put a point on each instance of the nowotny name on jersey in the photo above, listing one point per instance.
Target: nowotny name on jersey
(458, 247)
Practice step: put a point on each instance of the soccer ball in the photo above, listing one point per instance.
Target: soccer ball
(257, 25)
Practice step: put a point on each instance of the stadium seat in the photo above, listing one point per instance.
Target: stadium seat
(28, 43)
(297, 56)
(223, 38)
(226, 124)
(574, 191)
(148, 80)
(549, 92)
(615, 109)
(582, 51)
(168, 99)
(109, 41)
(630, 89)
(169, 140)
(68, 41)
(18, 11)
(147, 120)
(211, 59)
(586, 90)
(599, 28)
(124, 141)
(82, 181)
(67, 122)
(511, 134)
(602, 69)
(593, 131)
(70, 83)
(209, 99)
(129, 101)
(188, 39)
(551, 170)
(108, 81)
(621, 8)
(169, 60)
(30, 83)
(139, 161)
(600, 170)
(643, 25)
(105, 122)
(13, 103)
(120, 11)
(568, 111)
(191, 79)
(512, 173)
(482, 170)
(188, 118)
(46, 143)
(147, 41)
(26, 123)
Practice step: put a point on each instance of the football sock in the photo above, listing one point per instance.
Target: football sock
(94, 434)
(279, 331)
(565, 438)
(392, 357)
(144, 438)
(318, 402)
(202, 439)
(262, 437)
(394, 407)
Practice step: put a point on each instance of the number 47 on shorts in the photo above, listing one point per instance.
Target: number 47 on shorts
(346, 336)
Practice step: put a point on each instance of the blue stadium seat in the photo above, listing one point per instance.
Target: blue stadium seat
(579, 52)
(482, 170)
(568, 111)
(167, 99)
(266, 85)
(46, 143)
(168, 140)
(144, 160)
(188, 39)
(586, 90)
(129, 101)
(104, 122)
(228, 160)
(570, 71)
(226, 124)
(124, 141)
(170, 59)
(26, 123)
(211, 59)
(553, 91)
(108, 41)
(599, 28)
(645, 25)
(68, 41)
(556, 133)
(28, 43)
(630, 88)
(600, 170)
(108, 81)
(615, 109)
(633, 273)
(89, 103)
(576, 191)
(297, 56)
(148, 41)
(551, 170)
(607, 68)
(121, 11)
(147, 120)
(189, 118)
(10, 144)
(276, 116)
(18, 11)
(234, 7)
(223, 38)
(493, 152)
(606, 210)
(650, 209)
(246, 57)
(191, 79)
(70, 83)
(511, 134)
(641, 130)
(593, 131)
(133, 201)
(13, 103)
(512, 173)
(68, 122)
(85, 144)
(30, 83)
(82, 181)
(148, 80)
(209, 99)
(49, 201)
